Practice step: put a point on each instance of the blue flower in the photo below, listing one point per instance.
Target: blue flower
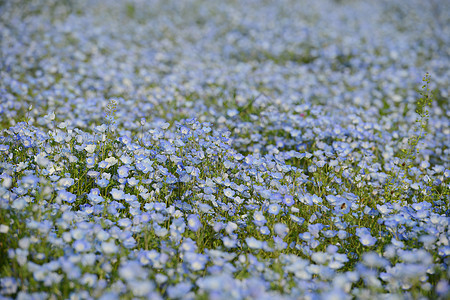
(258, 218)
(279, 243)
(117, 194)
(81, 245)
(196, 261)
(27, 142)
(264, 230)
(125, 222)
(288, 200)
(229, 192)
(66, 196)
(178, 226)
(189, 245)
(103, 164)
(365, 237)
(297, 220)
(274, 209)
(102, 182)
(179, 290)
(8, 285)
(159, 230)
(281, 229)
(194, 223)
(367, 240)
(90, 161)
(123, 171)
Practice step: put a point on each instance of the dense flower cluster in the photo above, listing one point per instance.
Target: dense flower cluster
(223, 150)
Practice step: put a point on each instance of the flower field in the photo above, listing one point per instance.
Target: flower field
(224, 149)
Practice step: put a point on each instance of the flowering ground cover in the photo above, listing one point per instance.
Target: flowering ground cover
(224, 149)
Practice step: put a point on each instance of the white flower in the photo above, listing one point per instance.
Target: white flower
(253, 243)
(90, 148)
(66, 182)
(41, 160)
(111, 161)
(51, 116)
(4, 228)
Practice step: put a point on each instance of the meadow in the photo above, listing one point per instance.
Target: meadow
(224, 149)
